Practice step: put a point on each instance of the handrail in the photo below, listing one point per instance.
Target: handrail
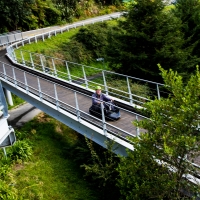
(129, 96)
(44, 96)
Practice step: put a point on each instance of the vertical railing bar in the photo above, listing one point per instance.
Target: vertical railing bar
(42, 64)
(14, 76)
(158, 91)
(14, 55)
(26, 84)
(77, 107)
(54, 67)
(85, 78)
(4, 71)
(137, 128)
(39, 88)
(22, 56)
(129, 91)
(32, 63)
(56, 96)
(68, 72)
(104, 81)
(103, 119)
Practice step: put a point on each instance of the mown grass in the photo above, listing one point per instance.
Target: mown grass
(52, 173)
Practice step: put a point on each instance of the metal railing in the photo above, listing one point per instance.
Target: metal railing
(49, 65)
(10, 74)
(11, 37)
(104, 78)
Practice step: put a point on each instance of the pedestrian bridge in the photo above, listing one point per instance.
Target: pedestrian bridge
(66, 96)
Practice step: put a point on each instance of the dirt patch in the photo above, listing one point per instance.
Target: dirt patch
(18, 167)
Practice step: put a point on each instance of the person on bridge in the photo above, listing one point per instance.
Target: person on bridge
(99, 97)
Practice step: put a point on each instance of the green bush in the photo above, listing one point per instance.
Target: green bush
(7, 192)
(21, 150)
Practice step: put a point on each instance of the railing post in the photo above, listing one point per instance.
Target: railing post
(104, 81)
(26, 84)
(22, 56)
(49, 35)
(103, 119)
(29, 40)
(14, 55)
(42, 37)
(32, 63)
(43, 69)
(129, 91)
(14, 76)
(35, 39)
(158, 91)
(54, 67)
(4, 71)
(22, 42)
(56, 96)
(68, 72)
(137, 128)
(85, 78)
(77, 108)
(39, 88)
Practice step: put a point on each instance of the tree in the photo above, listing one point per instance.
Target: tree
(149, 35)
(162, 158)
(12, 12)
(188, 12)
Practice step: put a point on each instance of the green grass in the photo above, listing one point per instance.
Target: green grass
(52, 173)
(16, 101)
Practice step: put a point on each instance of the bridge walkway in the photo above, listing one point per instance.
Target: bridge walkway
(67, 97)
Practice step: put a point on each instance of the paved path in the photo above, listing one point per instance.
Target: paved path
(22, 114)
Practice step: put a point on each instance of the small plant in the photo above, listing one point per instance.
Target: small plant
(21, 150)
(7, 192)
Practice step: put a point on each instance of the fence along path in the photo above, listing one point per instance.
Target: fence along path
(66, 98)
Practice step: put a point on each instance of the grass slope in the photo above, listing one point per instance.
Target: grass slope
(51, 174)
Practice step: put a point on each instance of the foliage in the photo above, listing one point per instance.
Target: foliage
(163, 155)
(148, 36)
(21, 150)
(88, 44)
(13, 12)
(102, 169)
(188, 12)
(7, 192)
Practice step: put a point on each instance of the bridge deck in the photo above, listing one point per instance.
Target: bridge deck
(67, 96)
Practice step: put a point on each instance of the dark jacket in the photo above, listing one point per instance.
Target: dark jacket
(102, 97)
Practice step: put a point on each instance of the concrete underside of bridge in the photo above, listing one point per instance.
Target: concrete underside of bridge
(90, 131)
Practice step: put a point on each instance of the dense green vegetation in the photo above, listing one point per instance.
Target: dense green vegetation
(164, 154)
(150, 33)
(33, 14)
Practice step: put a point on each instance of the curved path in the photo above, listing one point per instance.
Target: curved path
(66, 95)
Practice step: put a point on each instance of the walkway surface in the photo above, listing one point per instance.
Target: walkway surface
(66, 96)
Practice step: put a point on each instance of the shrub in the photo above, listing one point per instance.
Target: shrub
(21, 150)
(7, 192)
